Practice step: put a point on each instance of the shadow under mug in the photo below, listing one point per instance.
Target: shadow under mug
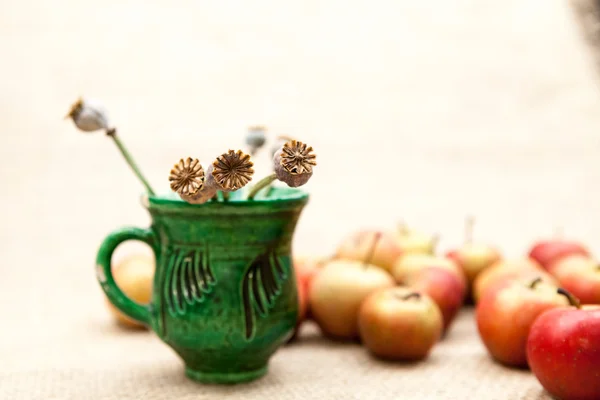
(224, 294)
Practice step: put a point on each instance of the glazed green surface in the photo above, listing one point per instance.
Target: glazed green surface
(224, 295)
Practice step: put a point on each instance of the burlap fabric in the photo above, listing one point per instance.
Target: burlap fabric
(423, 111)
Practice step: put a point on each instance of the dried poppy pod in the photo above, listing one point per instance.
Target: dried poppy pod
(293, 163)
(188, 181)
(231, 171)
(256, 138)
(89, 116)
(202, 196)
(280, 141)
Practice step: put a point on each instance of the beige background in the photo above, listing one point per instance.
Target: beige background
(423, 111)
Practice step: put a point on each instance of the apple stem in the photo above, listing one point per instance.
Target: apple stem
(574, 301)
(559, 232)
(324, 260)
(469, 222)
(372, 249)
(535, 282)
(411, 295)
(402, 228)
(435, 239)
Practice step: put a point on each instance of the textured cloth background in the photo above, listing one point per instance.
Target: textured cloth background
(422, 111)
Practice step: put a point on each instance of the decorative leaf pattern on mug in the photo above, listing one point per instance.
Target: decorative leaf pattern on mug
(260, 288)
(189, 279)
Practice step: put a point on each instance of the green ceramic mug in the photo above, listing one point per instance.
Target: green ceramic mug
(224, 293)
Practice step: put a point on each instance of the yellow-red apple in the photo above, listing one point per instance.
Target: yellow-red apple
(408, 264)
(358, 246)
(573, 262)
(134, 275)
(505, 315)
(306, 269)
(337, 292)
(445, 287)
(582, 279)
(510, 269)
(415, 241)
(399, 324)
(473, 257)
(547, 252)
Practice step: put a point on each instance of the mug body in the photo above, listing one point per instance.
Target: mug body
(224, 295)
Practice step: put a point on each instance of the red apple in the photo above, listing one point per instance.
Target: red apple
(306, 269)
(399, 324)
(302, 304)
(473, 257)
(504, 317)
(337, 292)
(506, 270)
(358, 246)
(582, 279)
(444, 287)
(302, 309)
(547, 252)
(410, 263)
(563, 350)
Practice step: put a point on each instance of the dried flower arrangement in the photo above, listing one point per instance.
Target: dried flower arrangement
(200, 249)
(293, 161)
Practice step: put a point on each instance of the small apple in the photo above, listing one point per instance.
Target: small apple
(473, 257)
(338, 290)
(582, 279)
(505, 270)
(302, 301)
(399, 324)
(134, 275)
(445, 287)
(302, 311)
(414, 241)
(511, 276)
(410, 263)
(563, 350)
(549, 251)
(358, 245)
(573, 262)
(504, 317)
(302, 288)
(517, 263)
(306, 269)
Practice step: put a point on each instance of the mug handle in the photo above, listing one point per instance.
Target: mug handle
(138, 312)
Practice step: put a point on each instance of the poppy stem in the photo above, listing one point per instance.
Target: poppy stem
(113, 134)
(263, 183)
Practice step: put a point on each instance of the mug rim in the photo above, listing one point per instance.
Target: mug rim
(279, 196)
